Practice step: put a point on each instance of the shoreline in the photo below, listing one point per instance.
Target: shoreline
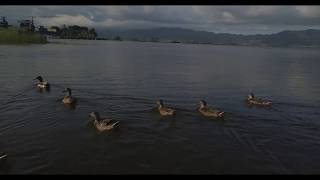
(186, 43)
(31, 38)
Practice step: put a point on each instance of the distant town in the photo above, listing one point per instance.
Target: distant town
(62, 32)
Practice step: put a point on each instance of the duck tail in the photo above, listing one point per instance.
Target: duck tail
(174, 112)
(116, 124)
(268, 103)
(2, 156)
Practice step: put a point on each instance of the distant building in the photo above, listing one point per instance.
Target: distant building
(4, 22)
(63, 32)
(77, 32)
(42, 30)
(53, 31)
(27, 25)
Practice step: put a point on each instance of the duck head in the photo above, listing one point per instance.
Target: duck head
(160, 103)
(94, 115)
(39, 78)
(251, 96)
(68, 90)
(202, 103)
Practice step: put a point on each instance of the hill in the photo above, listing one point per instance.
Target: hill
(310, 37)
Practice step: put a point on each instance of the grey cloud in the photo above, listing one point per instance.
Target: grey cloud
(235, 19)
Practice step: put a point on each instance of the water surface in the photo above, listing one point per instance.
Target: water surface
(123, 80)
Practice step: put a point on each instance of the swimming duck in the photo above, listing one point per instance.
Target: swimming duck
(42, 84)
(165, 111)
(209, 112)
(255, 101)
(68, 99)
(103, 124)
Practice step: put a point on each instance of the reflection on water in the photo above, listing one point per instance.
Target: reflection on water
(5, 166)
(123, 80)
(43, 90)
(70, 106)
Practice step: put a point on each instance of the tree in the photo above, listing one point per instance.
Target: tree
(93, 32)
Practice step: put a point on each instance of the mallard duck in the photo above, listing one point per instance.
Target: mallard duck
(42, 84)
(103, 124)
(209, 111)
(68, 99)
(165, 111)
(255, 101)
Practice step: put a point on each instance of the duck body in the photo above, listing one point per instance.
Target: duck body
(259, 102)
(68, 99)
(256, 101)
(209, 111)
(42, 84)
(103, 124)
(165, 111)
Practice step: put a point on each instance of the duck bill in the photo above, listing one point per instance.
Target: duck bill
(267, 103)
(221, 114)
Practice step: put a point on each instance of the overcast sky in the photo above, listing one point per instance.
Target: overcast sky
(228, 19)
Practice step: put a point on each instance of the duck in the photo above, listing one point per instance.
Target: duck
(251, 99)
(68, 99)
(42, 84)
(165, 111)
(103, 124)
(209, 111)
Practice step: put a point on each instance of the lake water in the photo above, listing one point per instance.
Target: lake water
(123, 80)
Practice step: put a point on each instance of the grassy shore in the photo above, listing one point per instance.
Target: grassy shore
(13, 36)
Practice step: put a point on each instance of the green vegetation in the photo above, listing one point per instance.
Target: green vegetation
(13, 36)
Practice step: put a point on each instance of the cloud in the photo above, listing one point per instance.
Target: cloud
(235, 19)
(309, 11)
(66, 19)
(228, 17)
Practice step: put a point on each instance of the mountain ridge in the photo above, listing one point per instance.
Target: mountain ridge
(287, 38)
